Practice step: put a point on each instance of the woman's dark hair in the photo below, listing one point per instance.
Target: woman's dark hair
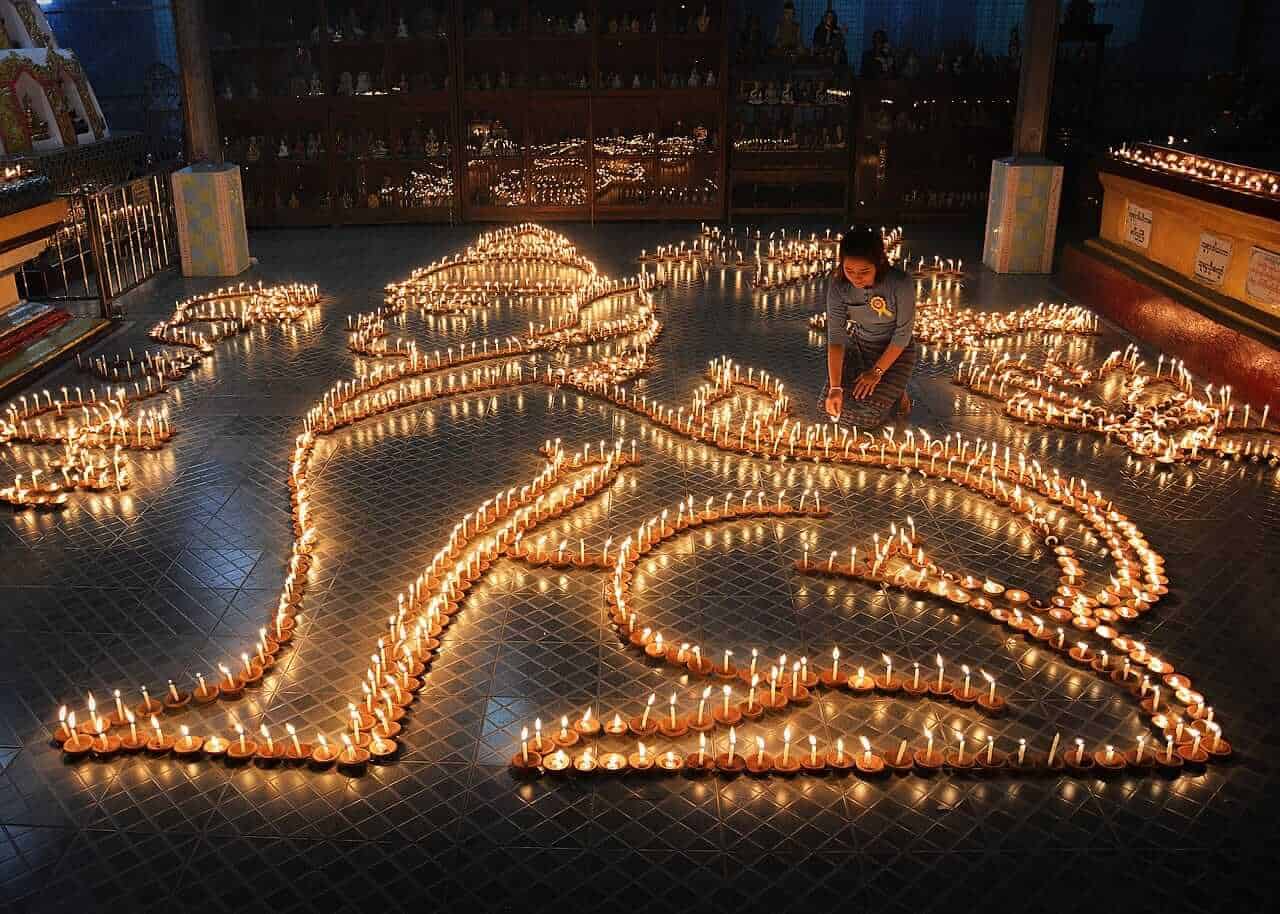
(866, 243)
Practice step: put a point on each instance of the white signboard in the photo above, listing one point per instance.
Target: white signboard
(1262, 283)
(1213, 256)
(1137, 225)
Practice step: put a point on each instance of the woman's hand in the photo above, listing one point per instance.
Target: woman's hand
(866, 383)
(835, 401)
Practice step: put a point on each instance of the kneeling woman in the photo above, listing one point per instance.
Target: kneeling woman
(870, 311)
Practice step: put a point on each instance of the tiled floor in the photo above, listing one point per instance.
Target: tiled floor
(165, 580)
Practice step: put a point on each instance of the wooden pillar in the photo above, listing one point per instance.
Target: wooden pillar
(198, 111)
(1035, 84)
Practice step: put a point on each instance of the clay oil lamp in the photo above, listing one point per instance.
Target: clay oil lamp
(965, 694)
(860, 683)
(587, 725)
(1024, 762)
(888, 683)
(1108, 759)
(987, 759)
(269, 751)
(726, 670)
(91, 726)
(322, 754)
(868, 763)
(1140, 757)
(187, 747)
(230, 687)
(1078, 761)
(558, 762)
(759, 763)
(525, 762)
(643, 724)
(672, 725)
(838, 760)
(204, 693)
(941, 687)
(613, 762)
(1081, 653)
(700, 762)
(1218, 747)
(241, 749)
(669, 762)
(353, 759)
(957, 759)
(133, 741)
(615, 726)
(149, 705)
(989, 701)
(786, 763)
(726, 712)
(104, 745)
(831, 677)
(1194, 752)
(565, 736)
(159, 743)
(119, 715)
(175, 699)
(541, 743)
(811, 761)
(731, 762)
(796, 692)
(585, 764)
(928, 760)
(915, 685)
(1168, 760)
(702, 722)
(699, 665)
(776, 698)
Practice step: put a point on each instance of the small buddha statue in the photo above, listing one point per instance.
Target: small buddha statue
(364, 85)
(710, 80)
(580, 23)
(402, 28)
(317, 85)
(695, 81)
(253, 89)
(345, 86)
(788, 93)
(703, 22)
(613, 25)
(282, 151)
(635, 81)
(786, 39)
(294, 202)
(254, 152)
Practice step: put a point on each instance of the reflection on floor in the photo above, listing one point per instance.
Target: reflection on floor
(181, 570)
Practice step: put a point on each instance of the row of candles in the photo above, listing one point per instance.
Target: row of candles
(1156, 415)
(553, 754)
(1198, 168)
(785, 258)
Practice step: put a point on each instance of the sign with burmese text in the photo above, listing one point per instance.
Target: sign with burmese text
(1213, 256)
(1262, 282)
(1137, 225)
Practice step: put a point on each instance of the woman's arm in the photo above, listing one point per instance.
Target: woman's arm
(837, 339)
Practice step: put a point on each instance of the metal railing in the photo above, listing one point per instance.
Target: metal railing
(114, 239)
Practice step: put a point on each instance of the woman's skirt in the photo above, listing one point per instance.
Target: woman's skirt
(877, 409)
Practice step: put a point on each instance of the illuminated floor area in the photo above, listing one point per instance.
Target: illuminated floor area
(174, 576)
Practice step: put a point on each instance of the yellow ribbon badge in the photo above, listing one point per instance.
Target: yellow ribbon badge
(880, 306)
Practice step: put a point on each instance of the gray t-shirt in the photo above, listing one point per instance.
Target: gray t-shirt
(879, 315)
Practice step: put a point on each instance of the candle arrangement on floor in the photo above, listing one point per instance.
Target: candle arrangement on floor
(784, 258)
(97, 428)
(1155, 415)
(738, 410)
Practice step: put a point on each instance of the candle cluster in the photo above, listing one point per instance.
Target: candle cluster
(1155, 415)
(738, 410)
(783, 259)
(1214, 172)
(96, 428)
